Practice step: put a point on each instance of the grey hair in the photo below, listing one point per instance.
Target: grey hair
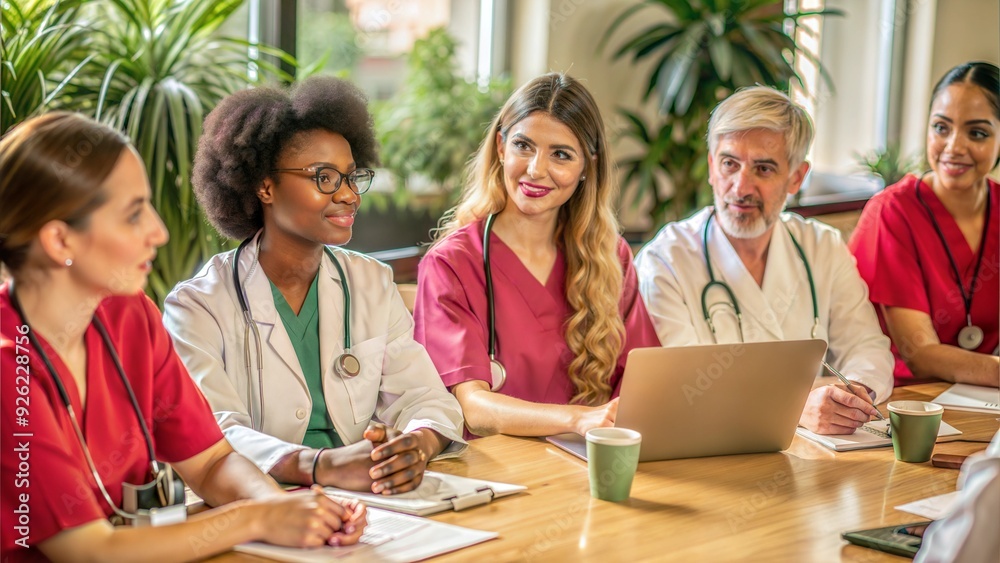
(763, 107)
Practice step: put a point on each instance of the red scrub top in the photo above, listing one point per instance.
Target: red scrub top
(46, 483)
(904, 262)
(451, 321)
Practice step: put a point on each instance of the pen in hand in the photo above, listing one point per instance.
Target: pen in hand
(850, 386)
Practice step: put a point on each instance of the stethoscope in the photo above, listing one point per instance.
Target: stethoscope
(169, 489)
(346, 365)
(971, 336)
(706, 310)
(498, 373)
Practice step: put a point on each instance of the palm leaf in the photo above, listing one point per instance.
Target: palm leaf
(153, 69)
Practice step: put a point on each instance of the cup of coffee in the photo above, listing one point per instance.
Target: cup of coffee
(612, 458)
(914, 426)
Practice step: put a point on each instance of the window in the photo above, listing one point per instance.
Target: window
(858, 50)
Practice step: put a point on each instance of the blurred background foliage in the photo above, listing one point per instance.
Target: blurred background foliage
(432, 126)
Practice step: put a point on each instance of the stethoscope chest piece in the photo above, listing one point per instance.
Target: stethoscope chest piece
(499, 375)
(970, 337)
(347, 365)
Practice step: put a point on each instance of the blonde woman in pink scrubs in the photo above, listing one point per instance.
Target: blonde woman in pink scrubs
(566, 308)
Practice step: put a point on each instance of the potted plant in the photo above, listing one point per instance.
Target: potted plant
(704, 51)
(889, 163)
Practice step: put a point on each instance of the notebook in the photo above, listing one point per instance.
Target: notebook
(973, 398)
(438, 492)
(874, 434)
(389, 537)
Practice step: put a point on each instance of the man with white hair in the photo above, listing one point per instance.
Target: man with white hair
(782, 277)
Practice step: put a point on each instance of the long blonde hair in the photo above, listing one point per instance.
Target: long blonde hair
(586, 228)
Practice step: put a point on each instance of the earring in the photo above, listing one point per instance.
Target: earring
(69, 262)
(583, 179)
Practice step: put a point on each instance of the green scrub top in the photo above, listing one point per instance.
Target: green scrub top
(303, 331)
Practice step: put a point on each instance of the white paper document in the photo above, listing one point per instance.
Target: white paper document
(438, 492)
(973, 398)
(389, 537)
(873, 434)
(934, 508)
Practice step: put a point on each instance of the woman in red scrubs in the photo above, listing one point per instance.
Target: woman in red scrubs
(928, 245)
(566, 309)
(92, 389)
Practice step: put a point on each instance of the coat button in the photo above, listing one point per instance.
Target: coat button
(300, 413)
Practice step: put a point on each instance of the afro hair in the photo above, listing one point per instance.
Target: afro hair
(247, 131)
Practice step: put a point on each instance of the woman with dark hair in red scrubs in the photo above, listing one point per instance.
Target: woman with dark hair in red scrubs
(94, 397)
(929, 246)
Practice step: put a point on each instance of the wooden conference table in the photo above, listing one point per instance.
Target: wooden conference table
(787, 506)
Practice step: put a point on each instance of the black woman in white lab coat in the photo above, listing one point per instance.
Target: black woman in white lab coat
(283, 171)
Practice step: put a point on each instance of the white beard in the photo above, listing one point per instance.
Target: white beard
(744, 229)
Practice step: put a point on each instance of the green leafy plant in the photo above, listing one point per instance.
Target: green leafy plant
(437, 120)
(888, 163)
(159, 69)
(151, 68)
(704, 51)
(43, 45)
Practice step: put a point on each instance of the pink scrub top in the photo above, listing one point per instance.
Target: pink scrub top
(904, 262)
(451, 320)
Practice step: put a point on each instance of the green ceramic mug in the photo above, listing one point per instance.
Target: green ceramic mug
(914, 427)
(612, 458)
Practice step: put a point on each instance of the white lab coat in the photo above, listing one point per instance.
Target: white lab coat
(672, 274)
(969, 532)
(398, 383)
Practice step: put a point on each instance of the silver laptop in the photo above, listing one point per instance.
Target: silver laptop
(719, 399)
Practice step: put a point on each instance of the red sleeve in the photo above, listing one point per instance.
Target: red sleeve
(446, 325)
(183, 423)
(42, 489)
(639, 330)
(883, 245)
(176, 412)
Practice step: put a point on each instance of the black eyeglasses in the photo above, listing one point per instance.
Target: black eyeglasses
(328, 179)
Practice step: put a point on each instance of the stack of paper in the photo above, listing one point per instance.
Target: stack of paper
(934, 508)
(389, 537)
(973, 398)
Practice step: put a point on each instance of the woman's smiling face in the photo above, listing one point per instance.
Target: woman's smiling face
(297, 207)
(543, 165)
(962, 137)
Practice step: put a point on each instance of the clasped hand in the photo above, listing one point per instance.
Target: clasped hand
(385, 462)
(311, 519)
